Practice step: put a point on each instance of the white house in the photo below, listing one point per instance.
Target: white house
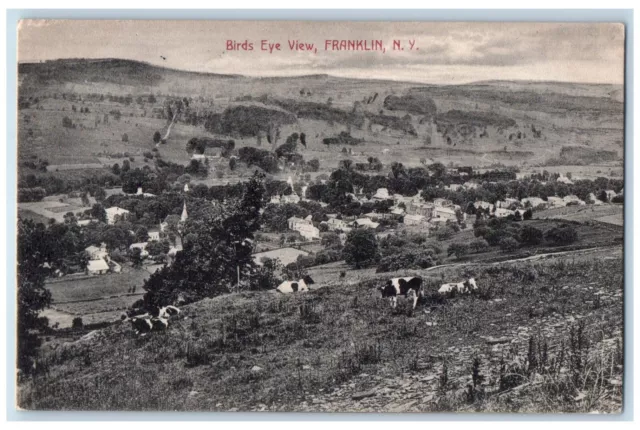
(556, 202)
(338, 224)
(591, 198)
(142, 246)
(452, 187)
(304, 226)
(154, 235)
(445, 213)
(97, 252)
(564, 180)
(381, 194)
(533, 202)
(442, 202)
(414, 219)
(365, 223)
(97, 267)
(471, 185)
(114, 212)
(610, 194)
(502, 212)
(507, 203)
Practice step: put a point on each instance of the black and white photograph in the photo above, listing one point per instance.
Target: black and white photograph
(320, 216)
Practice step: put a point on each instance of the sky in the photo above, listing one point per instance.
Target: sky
(453, 52)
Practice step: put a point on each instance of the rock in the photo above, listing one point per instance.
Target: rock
(363, 394)
(256, 369)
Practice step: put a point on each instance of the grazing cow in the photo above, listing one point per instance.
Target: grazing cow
(410, 287)
(460, 287)
(141, 325)
(159, 324)
(168, 311)
(301, 285)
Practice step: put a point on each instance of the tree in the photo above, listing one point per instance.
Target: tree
(331, 240)
(531, 235)
(458, 249)
(220, 249)
(116, 169)
(85, 199)
(136, 257)
(98, 212)
(157, 137)
(125, 137)
(34, 250)
(563, 235)
(528, 214)
(508, 244)
(361, 248)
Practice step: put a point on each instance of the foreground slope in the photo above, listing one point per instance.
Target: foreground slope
(547, 336)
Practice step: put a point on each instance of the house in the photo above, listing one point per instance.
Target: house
(291, 198)
(507, 203)
(338, 224)
(397, 211)
(442, 202)
(154, 235)
(365, 223)
(453, 187)
(308, 231)
(304, 226)
(86, 222)
(97, 267)
(502, 212)
(469, 185)
(445, 213)
(142, 246)
(97, 252)
(140, 193)
(381, 194)
(556, 202)
(199, 157)
(484, 205)
(533, 202)
(114, 213)
(414, 219)
(416, 207)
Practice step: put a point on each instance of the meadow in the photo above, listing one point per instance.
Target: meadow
(538, 337)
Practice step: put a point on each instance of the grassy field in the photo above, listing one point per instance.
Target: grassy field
(611, 214)
(96, 298)
(341, 348)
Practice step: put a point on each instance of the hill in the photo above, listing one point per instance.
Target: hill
(341, 348)
(77, 113)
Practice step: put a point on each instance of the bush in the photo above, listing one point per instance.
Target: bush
(444, 233)
(563, 235)
(531, 235)
(478, 245)
(459, 249)
(508, 244)
(361, 249)
(77, 323)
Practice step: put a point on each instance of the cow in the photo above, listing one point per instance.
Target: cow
(168, 312)
(301, 285)
(410, 287)
(459, 287)
(141, 325)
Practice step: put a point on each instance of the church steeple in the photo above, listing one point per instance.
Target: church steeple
(184, 215)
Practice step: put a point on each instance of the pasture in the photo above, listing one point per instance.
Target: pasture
(341, 348)
(95, 298)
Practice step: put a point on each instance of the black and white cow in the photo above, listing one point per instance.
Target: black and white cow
(409, 287)
(300, 285)
(459, 287)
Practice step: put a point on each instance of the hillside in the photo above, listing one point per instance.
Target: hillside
(479, 124)
(546, 336)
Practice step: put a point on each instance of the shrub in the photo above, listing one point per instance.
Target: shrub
(531, 235)
(563, 235)
(459, 249)
(361, 249)
(77, 323)
(508, 244)
(478, 245)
